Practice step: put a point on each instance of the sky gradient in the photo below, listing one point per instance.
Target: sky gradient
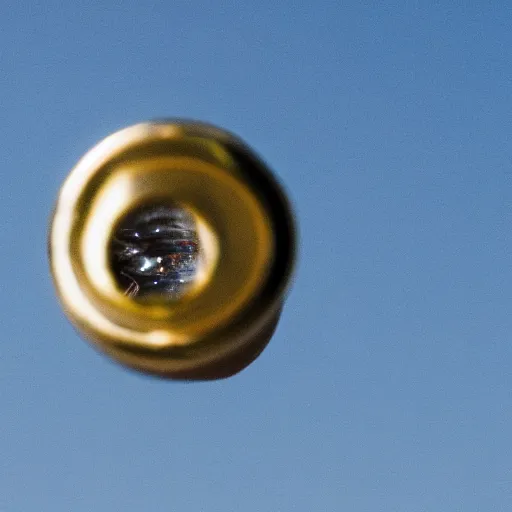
(388, 385)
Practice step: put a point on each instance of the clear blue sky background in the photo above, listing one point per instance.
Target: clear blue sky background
(388, 386)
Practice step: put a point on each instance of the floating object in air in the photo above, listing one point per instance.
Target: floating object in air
(171, 249)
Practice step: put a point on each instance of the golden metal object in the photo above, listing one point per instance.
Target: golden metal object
(238, 256)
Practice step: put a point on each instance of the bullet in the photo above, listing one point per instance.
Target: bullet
(171, 249)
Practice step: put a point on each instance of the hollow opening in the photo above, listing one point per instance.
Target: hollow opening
(155, 252)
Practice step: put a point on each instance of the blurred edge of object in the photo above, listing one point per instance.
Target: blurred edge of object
(247, 241)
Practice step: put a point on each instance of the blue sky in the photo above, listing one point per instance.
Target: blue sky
(388, 384)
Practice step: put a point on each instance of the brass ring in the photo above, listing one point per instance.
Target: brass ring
(246, 230)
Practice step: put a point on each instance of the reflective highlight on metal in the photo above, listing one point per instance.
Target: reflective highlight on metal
(155, 251)
(171, 249)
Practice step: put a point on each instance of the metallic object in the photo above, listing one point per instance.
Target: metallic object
(156, 251)
(171, 248)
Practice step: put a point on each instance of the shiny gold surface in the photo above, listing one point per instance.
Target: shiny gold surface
(246, 232)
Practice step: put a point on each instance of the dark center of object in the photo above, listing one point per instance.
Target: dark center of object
(155, 252)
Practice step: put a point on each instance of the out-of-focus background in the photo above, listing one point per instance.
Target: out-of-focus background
(388, 386)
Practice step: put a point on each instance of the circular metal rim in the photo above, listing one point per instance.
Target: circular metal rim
(160, 358)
